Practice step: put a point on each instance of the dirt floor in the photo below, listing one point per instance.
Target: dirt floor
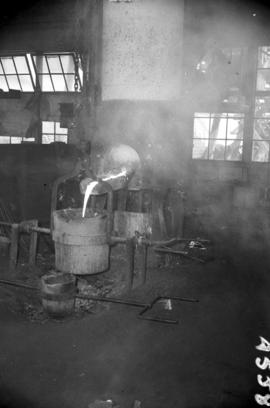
(103, 352)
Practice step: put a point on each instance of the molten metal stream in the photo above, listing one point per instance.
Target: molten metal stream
(92, 185)
(88, 192)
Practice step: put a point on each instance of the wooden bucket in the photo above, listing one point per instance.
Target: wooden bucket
(81, 244)
(58, 293)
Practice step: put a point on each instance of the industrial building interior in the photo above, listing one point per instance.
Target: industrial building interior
(134, 204)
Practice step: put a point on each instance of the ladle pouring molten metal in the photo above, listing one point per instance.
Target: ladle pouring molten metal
(119, 165)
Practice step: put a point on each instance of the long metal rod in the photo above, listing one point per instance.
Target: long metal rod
(17, 284)
(113, 300)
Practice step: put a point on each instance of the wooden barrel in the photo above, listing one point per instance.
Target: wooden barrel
(81, 244)
(58, 293)
(126, 223)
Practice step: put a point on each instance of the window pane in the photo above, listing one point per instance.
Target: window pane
(201, 128)
(217, 149)
(263, 80)
(67, 63)
(218, 128)
(1, 69)
(28, 139)
(261, 130)
(264, 57)
(54, 64)
(260, 151)
(4, 139)
(21, 65)
(16, 140)
(13, 82)
(234, 150)
(26, 83)
(41, 64)
(3, 84)
(262, 107)
(70, 80)
(59, 83)
(60, 130)
(81, 75)
(8, 65)
(235, 128)
(47, 127)
(60, 138)
(200, 149)
(45, 83)
(46, 139)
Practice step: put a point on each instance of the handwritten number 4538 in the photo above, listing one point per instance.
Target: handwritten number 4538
(263, 364)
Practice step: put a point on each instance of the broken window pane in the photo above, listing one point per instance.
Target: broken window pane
(13, 82)
(3, 84)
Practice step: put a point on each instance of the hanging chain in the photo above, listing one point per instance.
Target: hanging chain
(78, 46)
(77, 82)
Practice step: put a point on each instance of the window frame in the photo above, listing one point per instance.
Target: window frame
(4, 74)
(54, 134)
(211, 116)
(250, 93)
(34, 74)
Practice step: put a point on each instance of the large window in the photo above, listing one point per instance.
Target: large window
(61, 72)
(261, 123)
(222, 136)
(218, 136)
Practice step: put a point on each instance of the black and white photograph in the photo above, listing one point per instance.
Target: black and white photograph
(135, 204)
